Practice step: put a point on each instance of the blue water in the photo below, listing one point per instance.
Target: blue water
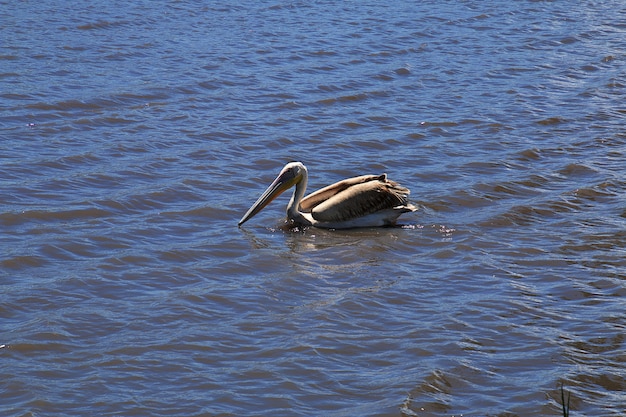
(135, 136)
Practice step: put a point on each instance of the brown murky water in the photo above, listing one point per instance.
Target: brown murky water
(135, 135)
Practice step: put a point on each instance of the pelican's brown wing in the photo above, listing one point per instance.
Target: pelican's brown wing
(312, 200)
(363, 198)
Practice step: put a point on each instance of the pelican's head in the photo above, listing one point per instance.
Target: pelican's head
(289, 176)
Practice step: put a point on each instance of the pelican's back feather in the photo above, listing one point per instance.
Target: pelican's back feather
(360, 197)
(312, 200)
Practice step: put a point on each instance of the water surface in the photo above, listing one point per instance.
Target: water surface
(135, 135)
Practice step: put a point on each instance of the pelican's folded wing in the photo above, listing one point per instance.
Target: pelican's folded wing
(314, 199)
(360, 200)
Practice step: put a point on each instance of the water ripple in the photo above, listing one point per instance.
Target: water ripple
(134, 139)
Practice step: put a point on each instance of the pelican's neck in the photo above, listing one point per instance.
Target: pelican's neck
(293, 209)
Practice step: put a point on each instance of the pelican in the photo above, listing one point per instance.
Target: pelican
(365, 201)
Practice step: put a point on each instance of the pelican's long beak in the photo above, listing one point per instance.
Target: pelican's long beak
(284, 181)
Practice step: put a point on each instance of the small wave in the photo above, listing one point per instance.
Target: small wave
(23, 261)
(322, 52)
(352, 97)
(576, 169)
(593, 194)
(4, 57)
(529, 154)
(552, 121)
(14, 219)
(102, 24)
(440, 124)
(68, 105)
(521, 215)
(70, 162)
